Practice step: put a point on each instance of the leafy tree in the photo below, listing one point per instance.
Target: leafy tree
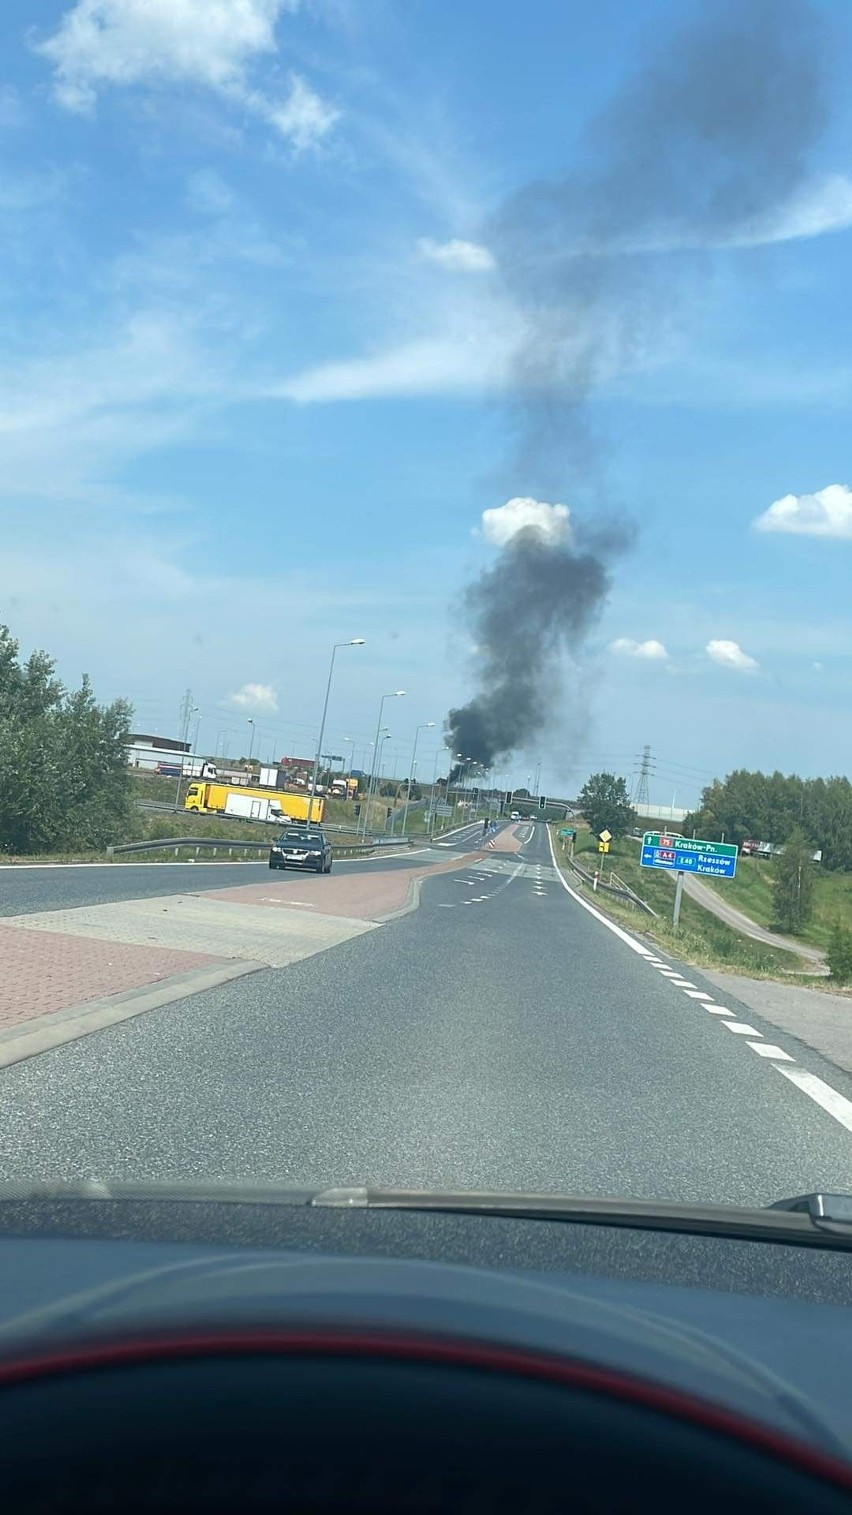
(792, 884)
(840, 953)
(606, 805)
(64, 781)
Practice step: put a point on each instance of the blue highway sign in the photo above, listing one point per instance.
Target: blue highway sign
(688, 855)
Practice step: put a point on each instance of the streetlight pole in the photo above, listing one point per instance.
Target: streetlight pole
(427, 726)
(353, 642)
(349, 741)
(251, 747)
(395, 694)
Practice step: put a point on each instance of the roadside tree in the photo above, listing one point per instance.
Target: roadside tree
(64, 781)
(606, 805)
(792, 884)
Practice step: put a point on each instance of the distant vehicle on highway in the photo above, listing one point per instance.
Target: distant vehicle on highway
(516, 815)
(300, 848)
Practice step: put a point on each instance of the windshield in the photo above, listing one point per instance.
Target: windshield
(426, 624)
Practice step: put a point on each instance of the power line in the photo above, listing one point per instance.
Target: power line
(641, 795)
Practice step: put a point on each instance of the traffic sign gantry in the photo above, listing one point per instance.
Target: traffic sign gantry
(687, 854)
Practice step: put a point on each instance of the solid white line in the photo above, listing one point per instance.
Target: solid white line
(822, 1094)
(741, 1029)
(765, 1049)
(604, 920)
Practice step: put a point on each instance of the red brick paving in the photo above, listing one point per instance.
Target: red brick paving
(359, 896)
(41, 971)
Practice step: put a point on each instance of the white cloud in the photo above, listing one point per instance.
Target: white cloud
(303, 117)
(451, 363)
(260, 698)
(652, 650)
(466, 257)
(500, 525)
(209, 43)
(730, 655)
(824, 205)
(826, 513)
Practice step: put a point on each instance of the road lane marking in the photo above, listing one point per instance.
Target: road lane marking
(695, 994)
(822, 1094)
(765, 1049)
(624, 936)
(740, 1028)
(683, 983)
(717, 1009)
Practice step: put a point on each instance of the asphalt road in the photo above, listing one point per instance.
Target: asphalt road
(51, 886)
(499, 1037)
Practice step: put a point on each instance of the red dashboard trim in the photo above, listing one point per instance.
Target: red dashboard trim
(484, 1356)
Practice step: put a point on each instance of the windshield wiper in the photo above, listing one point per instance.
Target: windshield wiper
(807, 1220)
(810, 1220)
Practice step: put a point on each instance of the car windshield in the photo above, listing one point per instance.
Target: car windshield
(425, 630)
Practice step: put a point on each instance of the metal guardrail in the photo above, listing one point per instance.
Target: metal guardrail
(213, 844)
(624, 893)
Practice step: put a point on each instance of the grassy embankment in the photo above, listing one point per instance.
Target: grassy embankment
(751, 892)
(700, 939)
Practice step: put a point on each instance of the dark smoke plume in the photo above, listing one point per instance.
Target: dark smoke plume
(540, 598)
(699, 154)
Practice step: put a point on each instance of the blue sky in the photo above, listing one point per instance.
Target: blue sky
(255, 383)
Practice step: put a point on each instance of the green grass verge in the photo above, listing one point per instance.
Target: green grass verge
(751, 892)
(701, 938)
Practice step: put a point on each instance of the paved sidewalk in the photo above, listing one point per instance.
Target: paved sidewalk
(55, 963)
(52, 971)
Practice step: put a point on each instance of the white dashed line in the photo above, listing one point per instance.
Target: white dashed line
(836, 1105)
(822, 1094)
(695, 994)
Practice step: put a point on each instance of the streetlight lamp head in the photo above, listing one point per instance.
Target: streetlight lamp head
(356, 642)
(398, 693)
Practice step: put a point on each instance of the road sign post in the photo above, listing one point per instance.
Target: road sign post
(682, 855)
(678, 897)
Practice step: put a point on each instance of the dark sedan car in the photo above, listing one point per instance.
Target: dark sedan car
(301, 849)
